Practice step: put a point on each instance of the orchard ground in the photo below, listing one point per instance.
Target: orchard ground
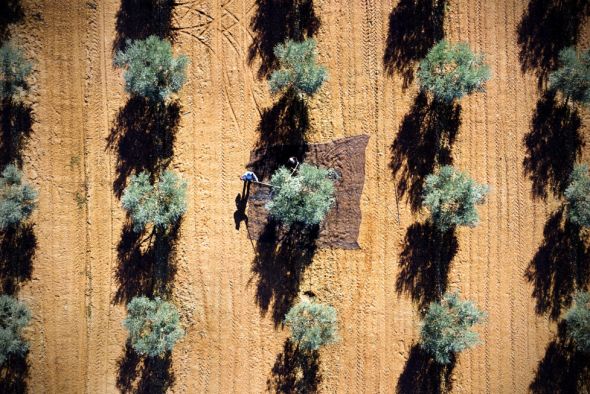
(77, 339)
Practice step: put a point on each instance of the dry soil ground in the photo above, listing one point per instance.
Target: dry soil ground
(231, 346)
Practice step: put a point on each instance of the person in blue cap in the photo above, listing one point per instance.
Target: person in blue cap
(249, 176)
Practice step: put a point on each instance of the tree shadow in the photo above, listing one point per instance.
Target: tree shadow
(552, 145)
(424, 263)
(140, 375)
(295, 371)
(143, 138)
(146, 263)
(425, 139)
(17, 249)
(13, 374)
(139, 19)
(562, 370)
(16, 121)
(281, 259)
(276, 21)
(11, 11)
(560, 267)
(422, 374)
(546, 28)
(282, 130)
(414, 27)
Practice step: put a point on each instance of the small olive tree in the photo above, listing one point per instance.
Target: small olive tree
(14, 71)
(312, 325)
(151, 70)
(451, 197)
(153, 325)
(17, 198)
(451, 71)
(14, 316)
(577, 195)
(446, 327)
(304, 197)
(160, 204)
(578, 322)
(572, 79)
(298, 71)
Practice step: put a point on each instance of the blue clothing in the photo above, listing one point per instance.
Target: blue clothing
(249, 176)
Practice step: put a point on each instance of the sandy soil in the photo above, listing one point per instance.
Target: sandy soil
(231, 345)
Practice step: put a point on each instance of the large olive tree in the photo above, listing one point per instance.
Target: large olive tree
(304, 196)
(451, 71)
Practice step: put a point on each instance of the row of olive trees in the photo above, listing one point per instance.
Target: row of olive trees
(572, 81)
(303, 195)
(18, 198)
(450, 72)
(154, 202)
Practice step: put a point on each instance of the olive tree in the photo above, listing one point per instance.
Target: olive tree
(17, 198)
(572, 79)
(160, 204)
(304, 196)
(577, 195)
(451, 197)
(451, 71)
(14, 316)
(299, 72)
(446, 327)
(14, 71)
(578, 322)
(312, 325)
(153, 325)
(151, 70)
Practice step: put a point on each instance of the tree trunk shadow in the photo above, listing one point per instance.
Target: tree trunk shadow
(424, 140)
(547, 27)
(16, 125)
(278, 267)
(562, 370)
(146, 265)
(143, 138)
(139, 19)
(141, 375)
(414, 27)
(17, 249)
(424, 263)
(276, 21)
(560, 267)
(552, 146)
(422, 374)
(11, 11)
(295, 371)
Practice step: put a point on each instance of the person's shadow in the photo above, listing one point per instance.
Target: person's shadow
(241, 203)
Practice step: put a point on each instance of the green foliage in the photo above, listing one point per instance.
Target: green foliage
(14, 316)
(572, 79)
(577, 195)
(299, 71)
(152, 71)
(578, 322)
(14, 71)
(160, 204)
(446, 328)
(451, 197)
(312, 325)
(453, 71)
(304, 197)
(153, 325)
(17, 198)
